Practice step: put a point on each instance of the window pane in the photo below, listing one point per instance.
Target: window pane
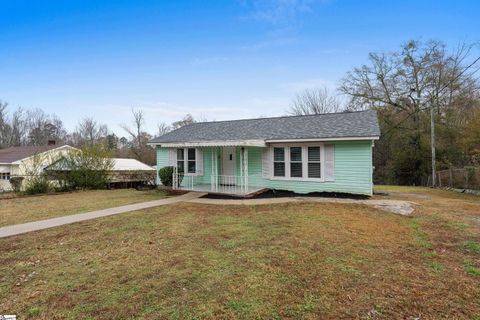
(279, 169)
(314, 170)
(314, 154)
(296, 169)
(180, 154)
(181, 166)
(191, 154)
(278, 154)
(295, 154)
(191, 166)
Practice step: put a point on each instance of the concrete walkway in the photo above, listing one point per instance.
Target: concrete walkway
(54, 222)
(394, 206)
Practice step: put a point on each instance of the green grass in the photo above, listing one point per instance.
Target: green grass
(286, 261)
(32, 208)
(437, 267)
(472, 246)
(471, 269)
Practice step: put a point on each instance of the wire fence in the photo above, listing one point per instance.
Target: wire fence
(459, 178)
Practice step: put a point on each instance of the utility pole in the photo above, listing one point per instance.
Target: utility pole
(432, 138)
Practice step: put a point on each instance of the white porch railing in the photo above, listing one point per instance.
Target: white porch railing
(226, 184)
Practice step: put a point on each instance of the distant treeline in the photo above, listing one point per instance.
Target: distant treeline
(404, 87)
(19, 126)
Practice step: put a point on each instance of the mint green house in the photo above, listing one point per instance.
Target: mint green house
(303, 154)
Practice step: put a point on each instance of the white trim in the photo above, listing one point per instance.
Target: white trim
(304, 147)
(185, 161)
(251, 143)
(49, 150)
(213, 143)
(322, 139)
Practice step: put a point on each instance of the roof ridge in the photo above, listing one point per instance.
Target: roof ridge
(280, 117)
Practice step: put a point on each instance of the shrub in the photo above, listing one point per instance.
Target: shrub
(37, 185)
(166, 176)
(16, 183)
(87, 168)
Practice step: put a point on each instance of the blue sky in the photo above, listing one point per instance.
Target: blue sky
(214, 59)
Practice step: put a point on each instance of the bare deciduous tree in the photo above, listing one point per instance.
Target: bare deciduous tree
(90, 132)
(139, 138)
(403, 87)
(4, 126)
(188, 119)
(43, 127)
(315, 101)
(135, 132)
(163, 128)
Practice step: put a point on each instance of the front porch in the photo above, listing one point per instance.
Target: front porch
(224, 171)
(220, 189)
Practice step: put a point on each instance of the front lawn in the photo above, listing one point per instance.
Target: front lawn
(32, 208)
(296, 260)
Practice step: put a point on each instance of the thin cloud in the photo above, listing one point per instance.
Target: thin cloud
(278, 11)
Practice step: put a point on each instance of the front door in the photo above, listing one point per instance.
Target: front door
(228, 165)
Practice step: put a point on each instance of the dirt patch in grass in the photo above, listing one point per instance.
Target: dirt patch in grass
(26, 209)
(297, 261)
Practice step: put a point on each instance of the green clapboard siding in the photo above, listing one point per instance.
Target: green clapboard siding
(162, 160)
(353, 170)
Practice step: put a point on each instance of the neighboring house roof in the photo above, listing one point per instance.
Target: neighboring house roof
(119, 164)
(13, 154)
(360, 124)
(122, 164)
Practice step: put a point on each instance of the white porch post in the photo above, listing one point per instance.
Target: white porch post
(175, 178)
(241, 170)
(212, 175)
(216, 168)
(245, 167)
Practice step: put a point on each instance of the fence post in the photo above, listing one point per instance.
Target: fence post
(439, 180)
(451, 178)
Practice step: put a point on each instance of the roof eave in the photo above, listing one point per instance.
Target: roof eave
(211, 143)
(366, 138)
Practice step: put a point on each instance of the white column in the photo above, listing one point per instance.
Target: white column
(241, 169)
(212, 172)
(245, 166)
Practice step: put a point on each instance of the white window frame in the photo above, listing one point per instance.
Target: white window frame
(5, 176)
(284, 162)
(304, 147)
(185, 161)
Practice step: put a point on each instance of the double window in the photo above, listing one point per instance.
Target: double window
(297, 162)
(187, 160)
(5, 176)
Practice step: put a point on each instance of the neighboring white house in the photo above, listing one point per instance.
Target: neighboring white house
(27, 161)
(124, 173)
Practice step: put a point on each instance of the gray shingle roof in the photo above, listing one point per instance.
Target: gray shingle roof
(331, 125)
(13, 154)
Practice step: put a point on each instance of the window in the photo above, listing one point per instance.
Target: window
(181, 160)
(279, 162)
(5, 176)
(296, 162)
(186, 160)
(191, 161)
(314, 167)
